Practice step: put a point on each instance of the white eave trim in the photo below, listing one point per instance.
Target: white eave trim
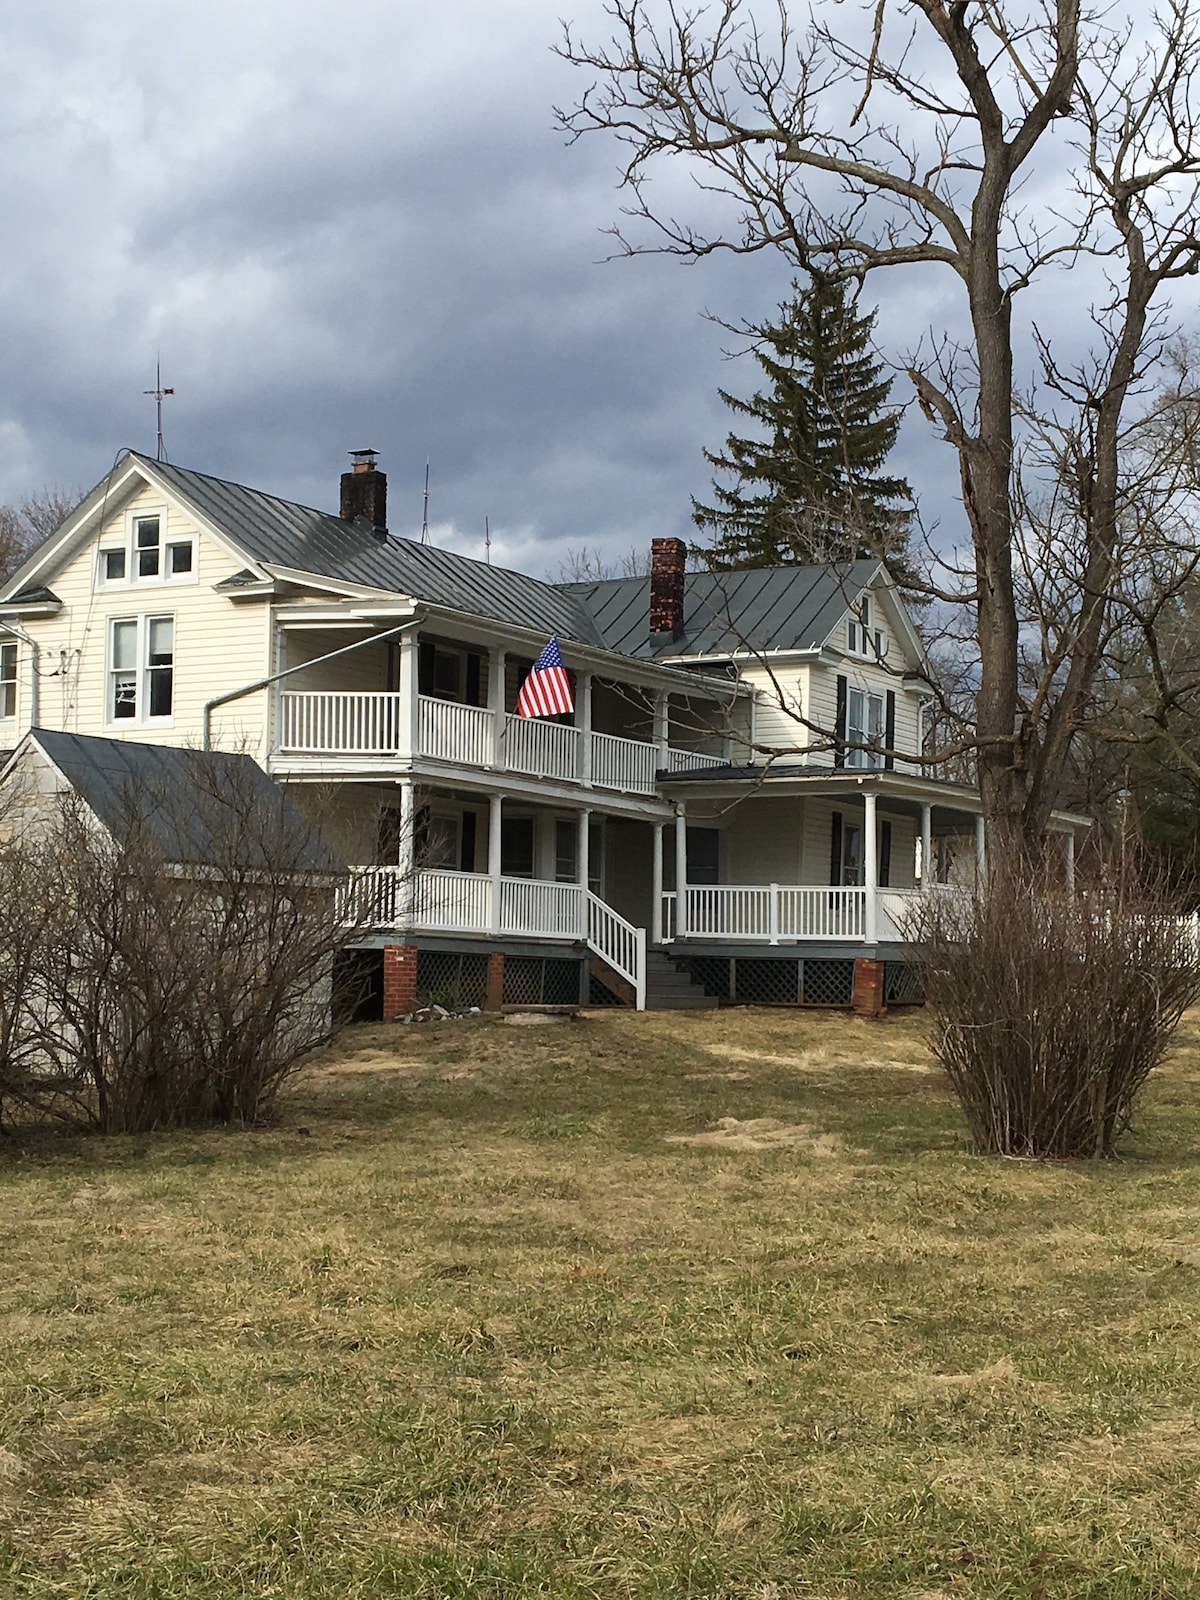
(35, 608)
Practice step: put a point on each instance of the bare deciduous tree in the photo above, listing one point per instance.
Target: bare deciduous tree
(173, 968)
(992, 142)
(24, 527)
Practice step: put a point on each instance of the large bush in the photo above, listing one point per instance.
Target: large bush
(138, 991)
(1050, 1009)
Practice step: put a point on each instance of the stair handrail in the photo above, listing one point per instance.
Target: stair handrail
(621, 944)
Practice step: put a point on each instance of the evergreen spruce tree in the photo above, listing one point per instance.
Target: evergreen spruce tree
(811, 490)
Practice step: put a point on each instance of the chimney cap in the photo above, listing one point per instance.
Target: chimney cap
(364, 460)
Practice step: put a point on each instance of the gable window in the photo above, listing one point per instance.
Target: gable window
(147, 554)
(863, 637)
(141, 669)
(8, 680)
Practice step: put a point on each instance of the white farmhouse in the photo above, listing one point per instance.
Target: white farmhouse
(735, 809)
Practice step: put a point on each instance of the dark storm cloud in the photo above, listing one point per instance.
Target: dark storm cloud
(344, 229)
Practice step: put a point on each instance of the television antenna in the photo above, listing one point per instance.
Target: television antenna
(159, 393)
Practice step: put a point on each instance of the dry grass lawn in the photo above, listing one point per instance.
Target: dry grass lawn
(715, 1306)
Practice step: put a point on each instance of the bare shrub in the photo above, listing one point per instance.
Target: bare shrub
(1049, 1010)
(179, 962)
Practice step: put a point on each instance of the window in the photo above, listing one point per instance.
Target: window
(516, 847)
(146, 555)
(703, 855)
(864, 727)
(863, 638)
(141, 670)
(566, 850)
(8, 680)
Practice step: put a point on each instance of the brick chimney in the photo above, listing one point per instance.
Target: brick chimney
(668, 558)
(364, 491)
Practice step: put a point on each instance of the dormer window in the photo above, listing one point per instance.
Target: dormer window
(147, 554)
(863, 638)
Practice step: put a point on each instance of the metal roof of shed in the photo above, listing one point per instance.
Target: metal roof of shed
(185, 798)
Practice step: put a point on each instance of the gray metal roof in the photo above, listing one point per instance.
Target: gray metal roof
(768, 608)
(280, 533)
(771, 608)
(186, 798)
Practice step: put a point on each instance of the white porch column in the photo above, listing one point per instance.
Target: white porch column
(662, 729)
(495, 817)
(1069, 859)
(406, 855)
(980, 850)
(583, 865)
(583, 721)
(927, 873)
(681, 927)
(407, 736)
(656, 886)
(496, 660)
(870, 869)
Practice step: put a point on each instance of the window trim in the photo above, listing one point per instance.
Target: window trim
(865, 738)
(143, 672)
(864, 638)
(9, 681)
(127, 547)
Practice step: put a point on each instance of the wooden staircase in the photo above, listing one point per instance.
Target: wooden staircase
(670, 987)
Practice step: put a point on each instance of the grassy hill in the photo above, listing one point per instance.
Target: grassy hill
(716, 1306)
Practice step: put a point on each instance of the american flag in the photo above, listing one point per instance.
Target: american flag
(546, 691)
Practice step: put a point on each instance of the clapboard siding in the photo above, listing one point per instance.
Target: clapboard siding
(763, 841)
(219, 645)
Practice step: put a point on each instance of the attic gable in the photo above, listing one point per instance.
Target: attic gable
(98, 514)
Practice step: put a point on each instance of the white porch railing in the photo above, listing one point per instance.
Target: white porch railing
(692, 760)
(368, 724)
(463, 902)
(453, 732)
(338, 724)
(541, 749)
(619, 943)
(543, 909)
(626, 764)
(773, 913)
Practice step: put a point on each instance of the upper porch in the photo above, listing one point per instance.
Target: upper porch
(427, 703)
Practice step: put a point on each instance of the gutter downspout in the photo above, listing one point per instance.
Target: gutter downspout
(276, 677)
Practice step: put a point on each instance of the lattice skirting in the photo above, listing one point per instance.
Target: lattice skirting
(776, 980)
(446, 978)
(542, 981)
(904, 983)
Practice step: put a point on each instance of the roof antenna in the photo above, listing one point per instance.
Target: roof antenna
(158, 392)
(425, 509)
(487, 540)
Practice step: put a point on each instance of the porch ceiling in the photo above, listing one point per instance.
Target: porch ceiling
(955, 806)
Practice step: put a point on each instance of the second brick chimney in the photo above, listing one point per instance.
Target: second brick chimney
(364, 491)
(668, 558)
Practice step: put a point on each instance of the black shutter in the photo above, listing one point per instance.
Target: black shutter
(473, 684)
(835, 849)
(885, 854)
(839, 748)
(469, 821)
(889, 732)
(425, 656)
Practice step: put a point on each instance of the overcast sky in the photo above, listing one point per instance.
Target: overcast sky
(355, 227)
